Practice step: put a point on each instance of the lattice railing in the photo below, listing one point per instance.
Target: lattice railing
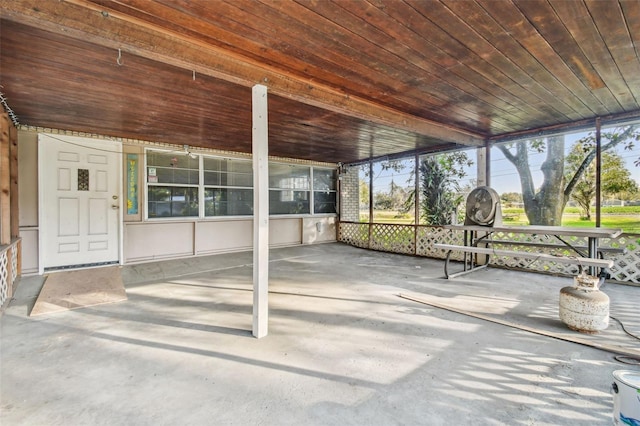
(354, 234)
(626, 265)
(8, 269)
(4, 276)
(393, 238)
(419, 240)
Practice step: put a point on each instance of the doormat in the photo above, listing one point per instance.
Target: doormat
(66, 290)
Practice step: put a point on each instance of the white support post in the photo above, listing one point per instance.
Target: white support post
(481, 156)
(260, 148)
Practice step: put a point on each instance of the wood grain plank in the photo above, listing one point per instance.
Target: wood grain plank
(214, 25)
(631, 8)
(404, 46)
(5, 179)
(335, 49)
(518, 25)
(485, 55)
(525, 69)
(385, 77)
(143, 95)
(462, 58)
(348, 80)
(13, 185)
(515, 64)
(555, 46)
(176, 51)
(615, 30)
(580, 24)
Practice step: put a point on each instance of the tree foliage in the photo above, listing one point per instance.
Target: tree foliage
(544, 205)
(439, 188)
(511, 198)
(394, 199)
(402, 199)
(615, 177)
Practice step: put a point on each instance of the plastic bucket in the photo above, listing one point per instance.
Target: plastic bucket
(626, 397)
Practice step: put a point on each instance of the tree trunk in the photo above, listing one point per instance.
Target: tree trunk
(546, 206)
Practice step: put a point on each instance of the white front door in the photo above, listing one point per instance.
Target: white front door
(79, 181)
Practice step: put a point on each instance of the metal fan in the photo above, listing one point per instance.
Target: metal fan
(483, 207)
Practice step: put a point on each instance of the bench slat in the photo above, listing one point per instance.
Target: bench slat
(583, 261)
(553, 246)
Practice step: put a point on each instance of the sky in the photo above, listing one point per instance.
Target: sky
(504, 177)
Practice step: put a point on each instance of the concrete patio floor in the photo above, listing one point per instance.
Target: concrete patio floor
(342, 349)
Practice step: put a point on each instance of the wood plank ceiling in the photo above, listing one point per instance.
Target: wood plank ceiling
(349, 80)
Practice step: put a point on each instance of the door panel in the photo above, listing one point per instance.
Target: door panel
(79, 200)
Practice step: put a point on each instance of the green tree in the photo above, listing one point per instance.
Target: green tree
(364, 192)
(392, 200)
(545, 205)
(440, 191)
(511, 197)
(616, 178)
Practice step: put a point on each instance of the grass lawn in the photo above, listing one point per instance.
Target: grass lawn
(627, 218)
(628, 223)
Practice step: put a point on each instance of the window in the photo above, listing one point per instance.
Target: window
(167, 201)
(228, 187)
(181, 185)
(324, 190)
(289, 189)
(173, 182)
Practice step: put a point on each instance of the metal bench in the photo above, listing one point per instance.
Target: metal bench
(574, 260)
(582, 250)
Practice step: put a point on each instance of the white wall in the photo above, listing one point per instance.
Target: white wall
(318, 229)
(157, 240)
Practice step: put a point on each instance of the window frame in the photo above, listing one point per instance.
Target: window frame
(202, 187)
(148, 184)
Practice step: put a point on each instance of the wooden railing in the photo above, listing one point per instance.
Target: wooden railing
(418, 240)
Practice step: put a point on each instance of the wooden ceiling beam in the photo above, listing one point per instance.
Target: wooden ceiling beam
(93, 23)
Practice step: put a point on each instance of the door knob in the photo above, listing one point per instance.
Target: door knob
(115, 206)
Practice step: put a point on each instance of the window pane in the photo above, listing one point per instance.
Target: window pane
(159, 194)
(288, 202)
(172, 160)
(324, 179)
(179, 176)
(324, 202)
(167, 201)
(213, 178)
(228, 202)
(214, 163)
(394, 190)
(227, 172)
(172, 167)
(286, 176)
(240, 179)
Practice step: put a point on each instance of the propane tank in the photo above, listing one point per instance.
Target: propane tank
(583, 307)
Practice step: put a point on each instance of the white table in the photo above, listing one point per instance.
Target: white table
(476, 234)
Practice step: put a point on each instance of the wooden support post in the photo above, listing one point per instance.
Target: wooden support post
(487, 163)
(481, 166)
(260, 149)
(13, 164)
(5, 180)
